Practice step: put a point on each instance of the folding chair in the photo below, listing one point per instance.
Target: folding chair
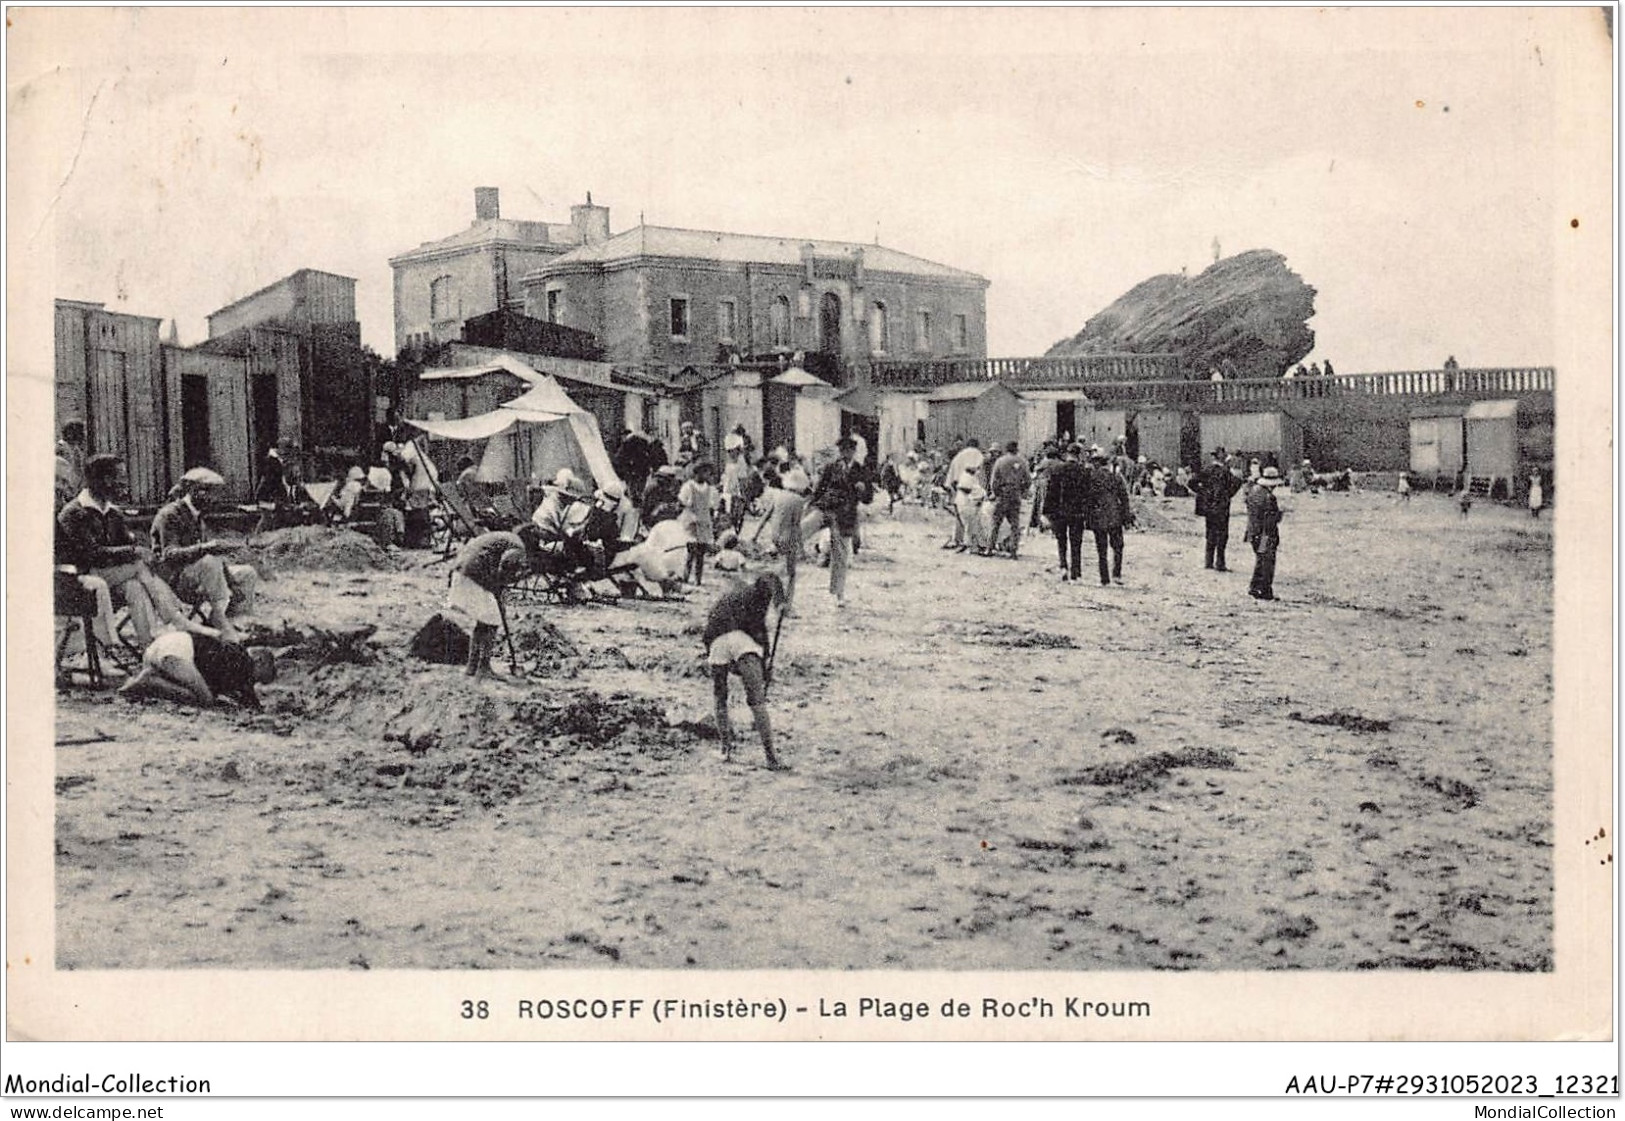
(77, 604)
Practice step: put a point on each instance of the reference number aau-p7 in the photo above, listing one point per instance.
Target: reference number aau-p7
(1452, 1085)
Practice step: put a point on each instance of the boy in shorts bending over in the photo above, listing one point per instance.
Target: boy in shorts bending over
(736, 642)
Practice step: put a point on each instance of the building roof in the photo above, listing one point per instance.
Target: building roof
(967, 390)
(502, 362)
(1075, 393)
(711, 245)
(296, 274)
(490, 231)
(798, 378)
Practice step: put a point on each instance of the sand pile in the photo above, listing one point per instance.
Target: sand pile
(1009, 634)
(1158, 515)
(316, 646)
(429, 744)
(1147, 771)
(316, 547)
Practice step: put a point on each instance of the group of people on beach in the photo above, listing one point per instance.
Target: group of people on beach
(180, 589)
(655, 527)
(1074, 488)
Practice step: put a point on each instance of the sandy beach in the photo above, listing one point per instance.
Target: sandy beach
(990, 770)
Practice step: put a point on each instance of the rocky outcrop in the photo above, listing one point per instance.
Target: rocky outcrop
(1246, 315)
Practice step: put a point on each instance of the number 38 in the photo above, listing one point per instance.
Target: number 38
(476, 1010)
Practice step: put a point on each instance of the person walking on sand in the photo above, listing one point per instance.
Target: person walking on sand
(785, 505)
(967, 507)
(735, 470)
(842, 486)
(736, 642)
(1264, 532)
(1066, 505)
(1215, 488)
(968, 458)
(698, 499)
(1009, 481)
(1109, 512)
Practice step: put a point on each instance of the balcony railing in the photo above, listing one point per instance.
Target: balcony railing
(1398, 383)
(1119, 378)
(1020, 371)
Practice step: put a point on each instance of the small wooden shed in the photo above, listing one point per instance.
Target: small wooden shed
(1167, 437)
(988, 410)
(1438, 441)
(1492, 441)
(799, 411)
(109, 376)
(1049, 413)
(210, 410)
(1270, 436)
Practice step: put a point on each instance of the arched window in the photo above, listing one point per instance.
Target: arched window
(778, 315)
(922, 331)
(443, 301)
(879, 329)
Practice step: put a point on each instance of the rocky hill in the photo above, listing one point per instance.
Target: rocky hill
(1247, 315)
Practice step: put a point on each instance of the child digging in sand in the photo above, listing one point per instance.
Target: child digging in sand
(736, 642)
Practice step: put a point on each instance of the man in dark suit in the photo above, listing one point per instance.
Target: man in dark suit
(842, 487)
(1264, 532)
(1108, 513)
(1066, 505)
(1215, 487)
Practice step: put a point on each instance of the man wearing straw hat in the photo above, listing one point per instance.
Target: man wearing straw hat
(1264, 532)
(190, 561)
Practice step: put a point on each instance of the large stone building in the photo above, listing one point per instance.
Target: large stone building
(441, 284)
(666, 300)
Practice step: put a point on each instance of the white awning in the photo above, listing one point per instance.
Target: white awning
(479, 427)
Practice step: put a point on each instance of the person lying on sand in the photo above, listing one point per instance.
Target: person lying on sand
(200, 669)
(736, 642)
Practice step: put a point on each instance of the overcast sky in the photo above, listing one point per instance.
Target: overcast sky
(1411, 165)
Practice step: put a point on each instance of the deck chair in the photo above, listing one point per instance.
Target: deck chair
(502, 502)
(566, 586)
(519, 494)
(452, 523)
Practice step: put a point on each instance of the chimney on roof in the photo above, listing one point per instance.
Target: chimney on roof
(591, 222)
(486, 204)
